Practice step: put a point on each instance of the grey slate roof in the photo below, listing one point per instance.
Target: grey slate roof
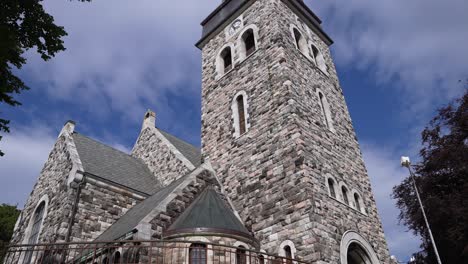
(189, 151)
(208, 211)
(114, 165)
(130, 220)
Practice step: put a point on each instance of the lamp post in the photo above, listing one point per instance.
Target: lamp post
(405, 162)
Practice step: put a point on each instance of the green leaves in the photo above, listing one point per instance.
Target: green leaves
(8, 216)
(443, 182)
(24, 24)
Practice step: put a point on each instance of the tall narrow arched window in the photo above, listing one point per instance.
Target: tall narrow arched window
(241, 257)
(248, 39)
(197, 254)
(288, 254)
(261, 259)
(116, 258)
(240, 114)
(325, 108)
(226, 56)
(318, 59)
(331, 187)
(301, 42)
(357, 202)
(344, 192)
(38, 218)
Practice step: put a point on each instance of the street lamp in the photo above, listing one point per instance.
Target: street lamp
(405, 162)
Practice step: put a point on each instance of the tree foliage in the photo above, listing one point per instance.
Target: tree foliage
(24, 25)
(442, 179)
(8, 216)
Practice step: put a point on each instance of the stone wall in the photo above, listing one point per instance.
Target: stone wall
(98, 209)
(275, 173)
(52, 183)
(159, 158)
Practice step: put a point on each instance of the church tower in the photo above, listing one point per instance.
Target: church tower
(277, 131)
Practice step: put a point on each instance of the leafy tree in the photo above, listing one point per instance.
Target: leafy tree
(23, 25)
(8, 216)
(442, 179)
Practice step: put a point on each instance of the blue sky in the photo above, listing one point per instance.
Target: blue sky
(398, 61)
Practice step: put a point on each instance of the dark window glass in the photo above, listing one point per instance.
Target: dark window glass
(315, 52)
(227, 59)
(249, 40)
(241, 112)
(38, 217)
(345, 195)
(288, 254)
(241, 257)
(261, 259)
(297, 36)
(322, 105)
(356, 200)
(116, 257)
(197, 253)
(331, 186)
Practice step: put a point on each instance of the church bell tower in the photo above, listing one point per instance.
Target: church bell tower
(276, 128)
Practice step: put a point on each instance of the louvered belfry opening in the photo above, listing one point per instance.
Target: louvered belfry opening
(241, 112)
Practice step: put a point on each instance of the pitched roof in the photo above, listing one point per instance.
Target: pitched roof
(208, 212)
(114, 165)
(189, 151)
(130, 220)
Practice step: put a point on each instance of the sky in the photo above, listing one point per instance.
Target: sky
(398, 62)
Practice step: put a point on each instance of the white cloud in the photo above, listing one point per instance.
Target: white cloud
(123, 55)
(385, 172)
(420, 43)
(26, 151)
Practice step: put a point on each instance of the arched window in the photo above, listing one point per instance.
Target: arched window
(105, 260)
(37, 220)
(357, 202)
(318, 59)
(241, 257)
(331, 187)
(288, 254)
(344, 192)
(240, 113)
(116, 258)
(248, 40)
(301, 43)
(197, 254)
(261, 259)
(226, 56)
(325, 110)
(357, 255)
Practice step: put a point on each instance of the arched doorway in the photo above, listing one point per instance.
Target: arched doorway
(357, 255)
(355, 249)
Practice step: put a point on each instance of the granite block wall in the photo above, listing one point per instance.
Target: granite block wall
(51, 185)
(275, 172)
(159, 158)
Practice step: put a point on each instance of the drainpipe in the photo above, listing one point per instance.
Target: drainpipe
(79, 181)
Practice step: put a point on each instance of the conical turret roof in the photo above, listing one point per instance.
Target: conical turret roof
(208, 214)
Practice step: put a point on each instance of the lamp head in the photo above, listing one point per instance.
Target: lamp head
(405, 161)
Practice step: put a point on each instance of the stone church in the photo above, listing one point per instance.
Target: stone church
(279, 177)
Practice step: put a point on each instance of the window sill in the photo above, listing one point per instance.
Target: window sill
(326, 74)
(247, 57)
(236, 65)
(347, 205)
